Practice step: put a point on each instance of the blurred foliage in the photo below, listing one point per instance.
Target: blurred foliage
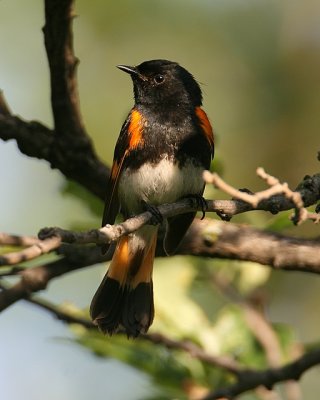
(91, 202)
(184, 311)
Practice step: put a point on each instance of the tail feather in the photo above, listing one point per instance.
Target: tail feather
(138, 310)
(124, 299)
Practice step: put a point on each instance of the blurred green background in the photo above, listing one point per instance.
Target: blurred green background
(258, 62)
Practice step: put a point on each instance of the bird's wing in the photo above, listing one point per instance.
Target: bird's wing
(129, 139)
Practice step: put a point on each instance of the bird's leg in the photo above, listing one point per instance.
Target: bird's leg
(157, 217)
(200, 202)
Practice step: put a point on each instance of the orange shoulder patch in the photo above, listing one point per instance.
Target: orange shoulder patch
(205, 125)
(135, 129)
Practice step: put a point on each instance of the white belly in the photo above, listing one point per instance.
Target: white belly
(158, 184)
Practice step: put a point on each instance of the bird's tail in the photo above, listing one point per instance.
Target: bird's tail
(124, 299)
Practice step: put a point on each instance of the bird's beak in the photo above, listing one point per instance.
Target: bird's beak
(131, 70)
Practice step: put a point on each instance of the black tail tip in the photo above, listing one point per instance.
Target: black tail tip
(118, 309)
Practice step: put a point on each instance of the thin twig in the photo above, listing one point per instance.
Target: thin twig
(252, 198)
(224, 362)
(15, 240)
(37, 249)
(268, 377)
(269, 195)
(37, 278)
(301, 214)
(60, 313)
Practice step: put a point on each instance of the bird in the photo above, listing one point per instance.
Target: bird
(164, 145)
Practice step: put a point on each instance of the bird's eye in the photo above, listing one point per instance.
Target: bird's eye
(158, 79)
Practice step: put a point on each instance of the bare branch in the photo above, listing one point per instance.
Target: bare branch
(62, 62)
(15, 240)
(219, 239)
(36, 140)
(257, 200)
(209, 238)
(35, 250)
(224, 362)
(261, 329)
(252, 198)
(60, 313)
(67, 147)
(37, 278)
(268, 378)
(264, 200)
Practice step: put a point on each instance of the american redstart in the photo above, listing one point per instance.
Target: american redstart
(164, 145)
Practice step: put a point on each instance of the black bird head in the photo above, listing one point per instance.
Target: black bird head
(163, 82)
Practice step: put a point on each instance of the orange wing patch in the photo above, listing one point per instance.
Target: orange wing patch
(206, 126)
(132, 138)
(135, 129)
(115, 170)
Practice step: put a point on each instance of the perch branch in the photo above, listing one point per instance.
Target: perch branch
(208, 238)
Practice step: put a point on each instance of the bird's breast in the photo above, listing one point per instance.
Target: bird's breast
(157, 183)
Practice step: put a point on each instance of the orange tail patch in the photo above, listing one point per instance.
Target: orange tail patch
(124, 299)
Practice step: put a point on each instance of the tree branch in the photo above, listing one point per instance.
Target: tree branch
(278, 197)
(37, 278)
(210, 238)
(58, 39)
(260, 327)
(36, 140)
(70, 135)
(250, 379)
(67, 147)
(35, 250)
